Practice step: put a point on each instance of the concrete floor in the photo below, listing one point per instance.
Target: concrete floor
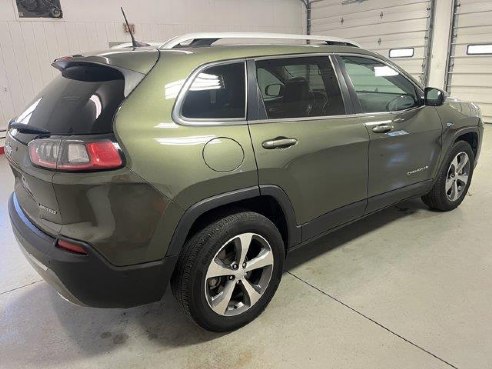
(406, 288)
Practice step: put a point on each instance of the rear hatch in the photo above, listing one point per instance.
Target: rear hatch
(77, 108)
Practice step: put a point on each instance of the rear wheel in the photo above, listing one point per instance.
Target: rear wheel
(229, 271)
(454, 179)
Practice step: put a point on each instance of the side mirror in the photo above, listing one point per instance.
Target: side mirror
(434, 96)
(274, 90)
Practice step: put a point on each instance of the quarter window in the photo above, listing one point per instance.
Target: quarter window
(379, 87)
(299, 87)
(217, 92)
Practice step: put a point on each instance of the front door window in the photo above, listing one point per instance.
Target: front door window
(379, 87)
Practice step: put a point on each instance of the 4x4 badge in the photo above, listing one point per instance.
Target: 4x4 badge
(47, 209)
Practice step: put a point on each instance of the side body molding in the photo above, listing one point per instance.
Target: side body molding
(200, 208)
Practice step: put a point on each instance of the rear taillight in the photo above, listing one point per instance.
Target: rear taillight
(73, 156)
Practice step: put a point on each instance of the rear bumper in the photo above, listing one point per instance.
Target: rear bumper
(89, 279)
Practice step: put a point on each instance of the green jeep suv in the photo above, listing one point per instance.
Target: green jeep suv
(203, 165)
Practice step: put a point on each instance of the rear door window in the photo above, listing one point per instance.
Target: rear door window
(299, 87)
(83, 100)
(217, 93)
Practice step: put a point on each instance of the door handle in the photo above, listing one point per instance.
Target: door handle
(279, 143)
(382, 128)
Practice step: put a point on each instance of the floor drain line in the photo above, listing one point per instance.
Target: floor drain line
(18, 288)
(373, 321)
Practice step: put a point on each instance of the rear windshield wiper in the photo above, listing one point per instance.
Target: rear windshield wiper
(24, 128)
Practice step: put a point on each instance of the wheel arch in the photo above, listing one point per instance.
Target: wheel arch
(468, 134)
(270, 201)
(471, 137)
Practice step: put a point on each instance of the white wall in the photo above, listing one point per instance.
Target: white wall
(27, 47)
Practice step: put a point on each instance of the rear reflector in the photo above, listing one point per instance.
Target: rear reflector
(2, 142)
(70, 246)
(73, 156)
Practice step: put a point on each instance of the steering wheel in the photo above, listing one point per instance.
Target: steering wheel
(310, 104)
(401, 102)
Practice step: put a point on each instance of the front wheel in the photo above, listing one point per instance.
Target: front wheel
(229, 271)
(454, 179)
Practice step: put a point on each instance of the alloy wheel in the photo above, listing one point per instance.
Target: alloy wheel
(239, 274)
(457, 176)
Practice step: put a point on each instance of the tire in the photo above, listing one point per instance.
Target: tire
(205, 271)
(442, 197)
(55, 12)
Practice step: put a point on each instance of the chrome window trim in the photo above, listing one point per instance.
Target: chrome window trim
(178, 104)
(179, 119)
(292, 56)
(326, 117)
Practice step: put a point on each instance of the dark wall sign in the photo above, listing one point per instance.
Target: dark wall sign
(39, 9)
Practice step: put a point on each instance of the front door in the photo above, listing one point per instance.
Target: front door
(404, 134)
(306, 145)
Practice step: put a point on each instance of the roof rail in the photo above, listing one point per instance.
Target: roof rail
(127, 45)
(208, 38)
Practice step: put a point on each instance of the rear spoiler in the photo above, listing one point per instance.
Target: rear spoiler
(132, 78)
(134, 66)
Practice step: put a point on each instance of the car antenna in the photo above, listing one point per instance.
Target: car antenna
(135, 43)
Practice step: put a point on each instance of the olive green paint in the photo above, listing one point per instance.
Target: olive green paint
(130, 215)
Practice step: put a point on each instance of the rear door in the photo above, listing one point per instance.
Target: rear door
(306, 145)
(404, 134)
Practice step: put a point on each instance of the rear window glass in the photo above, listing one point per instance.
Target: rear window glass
(217, 92)
(83, 100)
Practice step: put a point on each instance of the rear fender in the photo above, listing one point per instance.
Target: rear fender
(194, 212)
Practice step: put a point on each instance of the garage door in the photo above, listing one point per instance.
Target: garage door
(470, 64)
(380, 25)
